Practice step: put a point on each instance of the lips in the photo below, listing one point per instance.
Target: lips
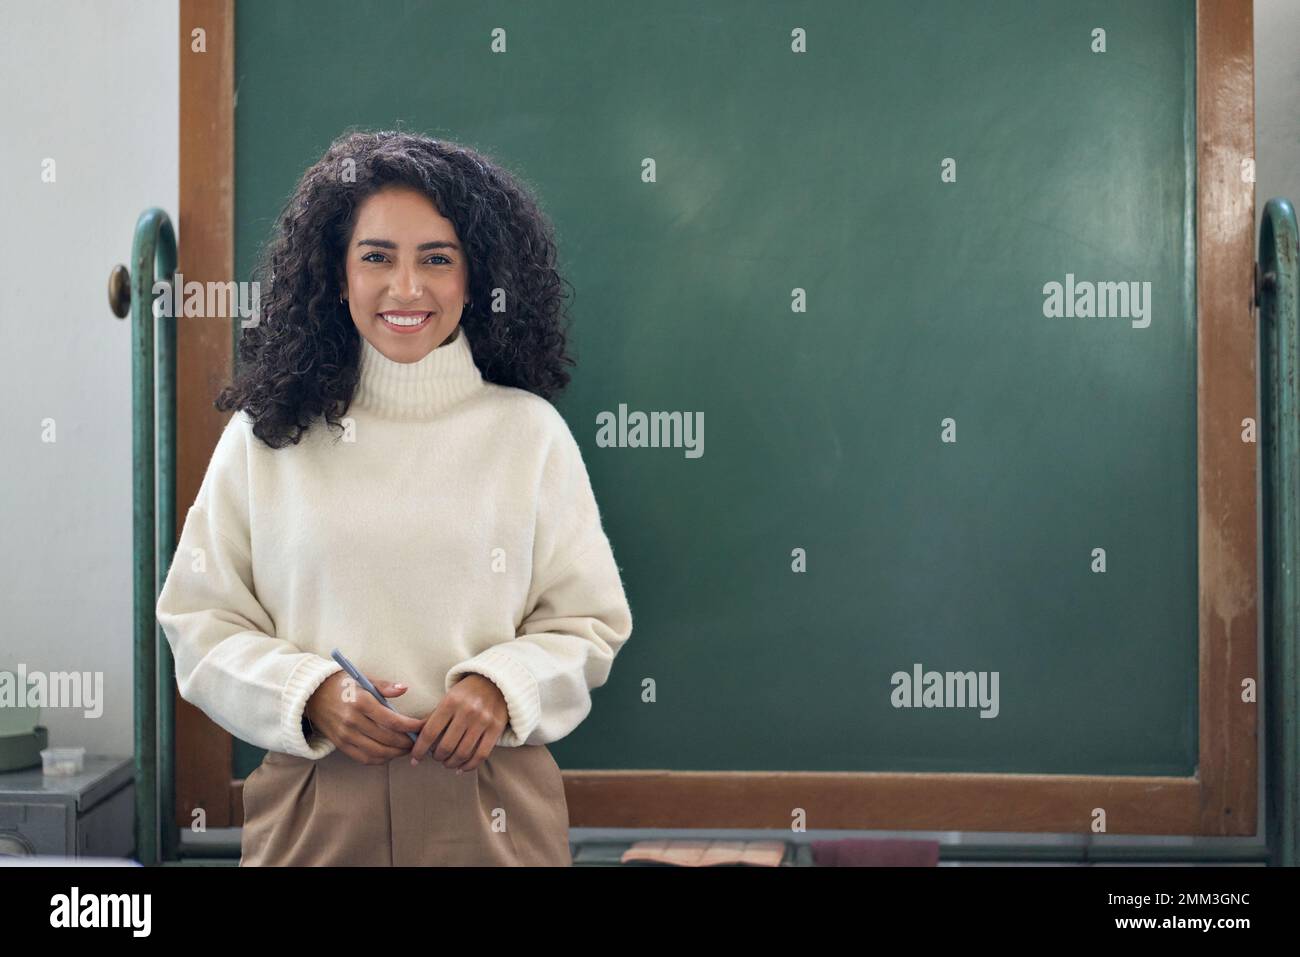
(404, 321)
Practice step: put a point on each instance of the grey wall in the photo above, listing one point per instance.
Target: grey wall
(91, 84)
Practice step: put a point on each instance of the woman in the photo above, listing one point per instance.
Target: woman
(395, 484)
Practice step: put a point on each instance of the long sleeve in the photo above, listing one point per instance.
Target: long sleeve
(229, 662)
(578, 616)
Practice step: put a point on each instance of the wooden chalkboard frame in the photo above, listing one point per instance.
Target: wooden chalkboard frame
(1220, 799)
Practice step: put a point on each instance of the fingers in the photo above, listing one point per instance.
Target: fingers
(485, 747)
(431, 733)
(465, 751)
(452, 740)
(387, 688)
(469, 748)
(385, 725)
(377, 726)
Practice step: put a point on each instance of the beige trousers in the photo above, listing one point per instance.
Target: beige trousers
(510, 810)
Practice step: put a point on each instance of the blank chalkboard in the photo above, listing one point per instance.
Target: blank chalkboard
(842, 262)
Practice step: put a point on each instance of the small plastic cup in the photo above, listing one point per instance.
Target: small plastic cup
(61, 762)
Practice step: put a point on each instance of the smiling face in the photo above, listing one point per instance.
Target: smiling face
(406, 278)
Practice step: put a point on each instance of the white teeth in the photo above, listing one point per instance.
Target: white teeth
(405, 320)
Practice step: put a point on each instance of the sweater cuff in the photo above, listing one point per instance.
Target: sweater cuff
(517, 686)
(303, 682)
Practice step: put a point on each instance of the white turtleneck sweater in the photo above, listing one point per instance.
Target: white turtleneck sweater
(453, 530)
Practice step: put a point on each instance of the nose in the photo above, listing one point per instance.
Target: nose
(406, 286)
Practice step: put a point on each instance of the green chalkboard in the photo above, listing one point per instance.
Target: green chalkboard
(778, 169)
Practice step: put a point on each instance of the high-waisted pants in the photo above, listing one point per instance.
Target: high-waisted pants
(334, 811)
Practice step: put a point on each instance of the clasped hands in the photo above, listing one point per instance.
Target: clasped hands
(462, 730)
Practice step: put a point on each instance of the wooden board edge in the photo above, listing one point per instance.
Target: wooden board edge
(205, 241)
(1227, 347)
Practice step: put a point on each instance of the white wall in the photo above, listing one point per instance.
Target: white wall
(91, 84)
(1277, 103)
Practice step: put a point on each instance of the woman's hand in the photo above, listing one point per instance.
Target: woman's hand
(360, 726)
(473, 715)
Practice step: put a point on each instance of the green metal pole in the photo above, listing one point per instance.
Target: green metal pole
(166, 525)
(153, 250)
(1278, 296)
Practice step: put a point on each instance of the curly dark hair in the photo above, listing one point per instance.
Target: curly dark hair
(300, 361)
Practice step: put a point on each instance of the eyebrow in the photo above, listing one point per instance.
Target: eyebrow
(386, 244)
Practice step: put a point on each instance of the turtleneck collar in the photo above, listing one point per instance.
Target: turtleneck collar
(417, 390)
